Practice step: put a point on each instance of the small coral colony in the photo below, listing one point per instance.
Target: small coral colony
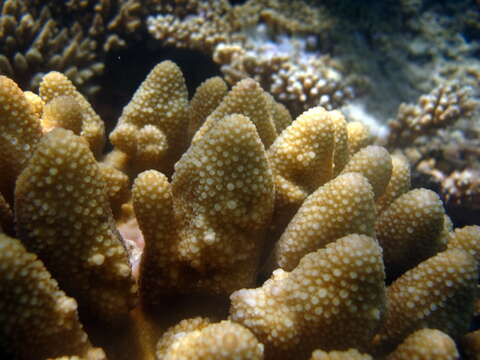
(234, 223)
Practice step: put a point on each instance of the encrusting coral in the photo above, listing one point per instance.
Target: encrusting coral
(203, 218)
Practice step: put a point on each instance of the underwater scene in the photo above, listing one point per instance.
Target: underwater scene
(239, 180)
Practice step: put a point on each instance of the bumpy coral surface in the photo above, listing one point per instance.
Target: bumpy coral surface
(438, 293)
(426, 344)
(152, 128)
(19, 132)
(333, 299)
(63, 215)
(320, 220)
(198, 226)
(37, 319)
(199, 339)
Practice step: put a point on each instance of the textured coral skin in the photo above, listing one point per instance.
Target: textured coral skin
(426, 344)
(81, 248)
(438, 293)
(35, 312)
(333, 299)
(200, 227)
(198, 339)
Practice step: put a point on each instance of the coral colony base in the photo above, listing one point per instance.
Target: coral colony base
(157, 250)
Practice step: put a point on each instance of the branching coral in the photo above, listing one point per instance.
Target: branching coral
(426, 344)
(438, 293)
(152, 128)
(199, 339)
(35, 313)
(206, 228)
(33, 43)
(199, 228)
(442, 107)
(20, 130)
(334, 299)
(440, 138)
(351, 354)
(281, 63)
(81, 248)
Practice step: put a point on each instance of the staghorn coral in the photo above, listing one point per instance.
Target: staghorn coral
(446, 104)
(198, 338)
(333, 299)
(35, 313)
(426, 344)
(34, 42)
(81, 248)
(200, 233)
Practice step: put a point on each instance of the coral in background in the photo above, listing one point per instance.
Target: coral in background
(254, 40)
(297, 77)
(33, 43)
(442, 107)
(204, 231)
(72, 37)
(440, 137)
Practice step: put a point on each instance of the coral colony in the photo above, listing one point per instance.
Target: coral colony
(255, 219)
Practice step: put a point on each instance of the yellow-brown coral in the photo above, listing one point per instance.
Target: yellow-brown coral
(320, 220)
(222, 192)
(410, 230)
(438, 293)
(63, 215)
(19, 133)
(198, 339)
(333, 299)
(55, 85)
(153, 127)
(204, 221)
(350, 354)
(426, 344)
(37, 319)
